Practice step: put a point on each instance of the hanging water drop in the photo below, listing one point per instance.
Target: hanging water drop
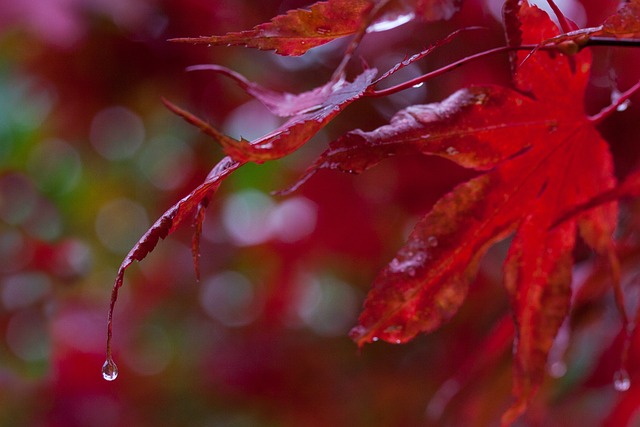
(109, 370)
(621, 380)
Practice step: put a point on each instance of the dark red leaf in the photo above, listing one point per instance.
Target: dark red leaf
(282, 104)
(331, 100)
(168, 223)
(297, 31)
(467, 128)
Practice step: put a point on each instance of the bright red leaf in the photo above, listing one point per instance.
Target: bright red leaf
(526, 182)
(297, 31)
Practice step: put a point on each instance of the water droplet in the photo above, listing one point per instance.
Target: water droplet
(621, 380)
(374, 339)
(398, 341)
(615, 97)
(209, 45)
(408, 262)
(418, 85)
(623, 106)
(109, 370)
(432, 241)
(452, 151)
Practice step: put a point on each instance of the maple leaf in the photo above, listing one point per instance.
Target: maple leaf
(175, 216)
(306, 120)
(524, 184)
(309, 111)
(297, 31)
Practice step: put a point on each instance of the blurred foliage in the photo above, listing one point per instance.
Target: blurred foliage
(89, 158)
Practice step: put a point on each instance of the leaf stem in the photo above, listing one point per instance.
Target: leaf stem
(423, 78)
(418, 56)
(593, 41)
(607, 111)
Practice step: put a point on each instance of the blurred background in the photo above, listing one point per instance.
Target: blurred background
(90, 158)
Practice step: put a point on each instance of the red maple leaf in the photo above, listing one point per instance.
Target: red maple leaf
(309, 111)
(297, 31)
(538, 155)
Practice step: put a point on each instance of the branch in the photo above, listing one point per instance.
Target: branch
(612, 41)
